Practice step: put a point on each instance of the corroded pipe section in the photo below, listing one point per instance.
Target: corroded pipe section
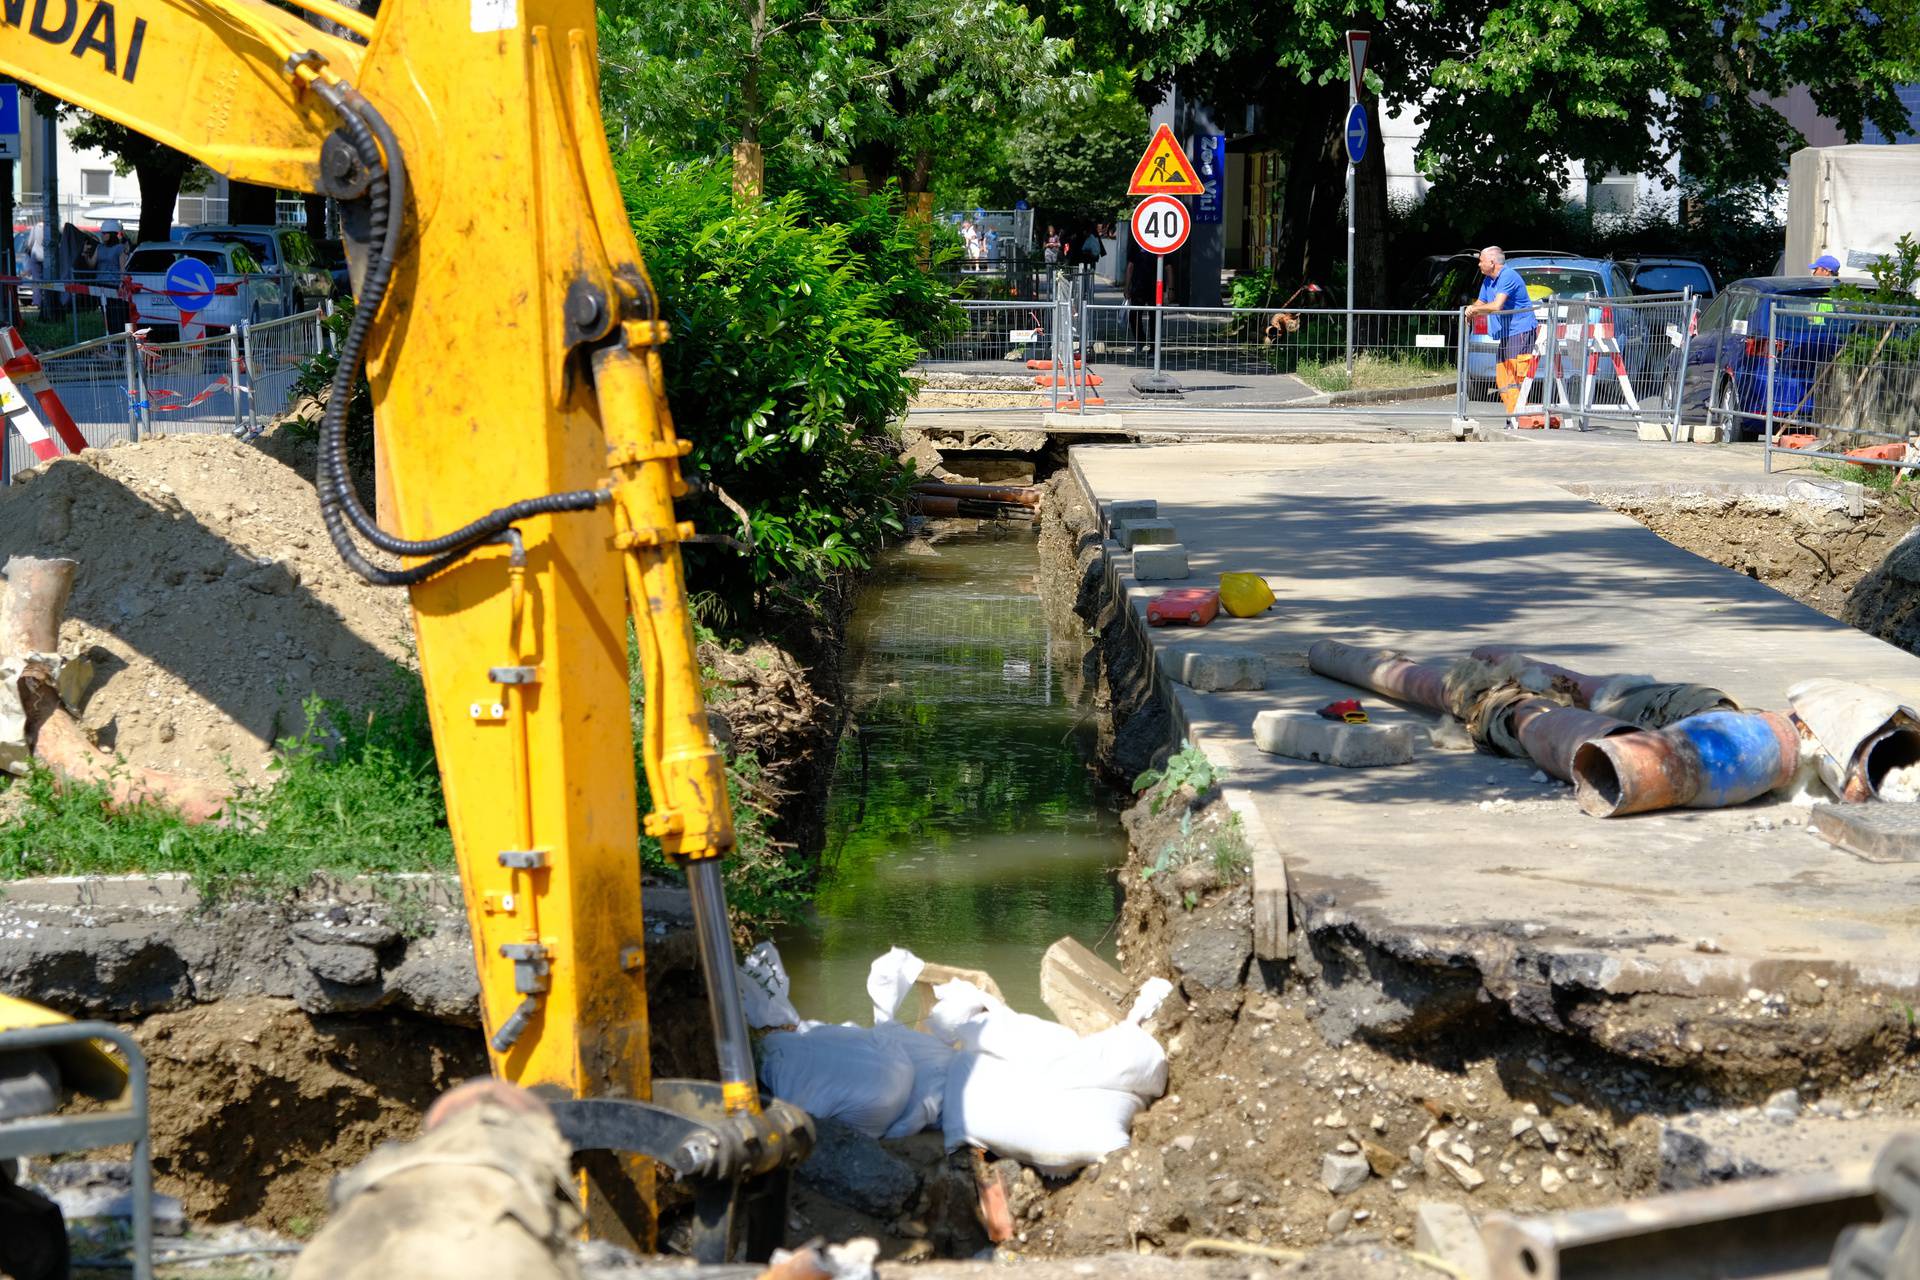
(1381, 670)
(1015, 494)
(1708, 761)
(1551, 734)
(1860, 734)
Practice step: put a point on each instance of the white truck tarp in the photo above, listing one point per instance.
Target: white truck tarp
(1852, 202)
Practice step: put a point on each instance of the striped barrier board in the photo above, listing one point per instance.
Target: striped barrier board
(23, 385)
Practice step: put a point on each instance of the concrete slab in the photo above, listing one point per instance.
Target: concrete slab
(1463, 861)
(1165, 562)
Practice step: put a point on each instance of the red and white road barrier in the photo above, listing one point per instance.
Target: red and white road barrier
(23, 385)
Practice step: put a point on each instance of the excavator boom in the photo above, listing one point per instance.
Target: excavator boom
(509, 332)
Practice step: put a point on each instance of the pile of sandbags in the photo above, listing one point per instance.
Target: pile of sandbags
(984, 1074)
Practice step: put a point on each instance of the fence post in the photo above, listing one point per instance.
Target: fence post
(1550, 374)
(233, 375)
(1460, 366)
(1686, 353)
(1773, 365)
(326, 330)
(253, 378)
(133, 388)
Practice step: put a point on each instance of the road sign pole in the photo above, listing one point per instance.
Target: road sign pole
(1159, 304)
(1357, 42)
(1350, 169)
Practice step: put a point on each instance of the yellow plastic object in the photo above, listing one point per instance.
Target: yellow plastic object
(84, 1068)
(1245, 594)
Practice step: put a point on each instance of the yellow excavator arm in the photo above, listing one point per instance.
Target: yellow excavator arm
(509, 333)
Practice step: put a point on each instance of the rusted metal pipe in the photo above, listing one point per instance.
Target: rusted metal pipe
(933, 504)
(1649, 703)
(1381, 670)
(1859, 734)
(1551, 734)
(1708, 761)
(1017, 494)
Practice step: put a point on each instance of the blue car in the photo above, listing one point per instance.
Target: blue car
(1725, 376)
(1565, 279)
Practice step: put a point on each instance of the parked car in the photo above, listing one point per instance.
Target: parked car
(1450, 281)
(1725, 374)
(242, 293)
(1670, 275)
(333, 258)
(281, 251)
(1567, 280)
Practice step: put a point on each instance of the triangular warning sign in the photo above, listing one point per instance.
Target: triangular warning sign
(1164, 170)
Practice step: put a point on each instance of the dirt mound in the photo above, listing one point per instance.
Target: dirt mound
(210, 597)
(256, 1105)
(1819, 557)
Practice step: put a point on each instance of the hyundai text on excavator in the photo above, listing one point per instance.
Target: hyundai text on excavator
(510, 334)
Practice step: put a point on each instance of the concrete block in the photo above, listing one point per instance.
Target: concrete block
(1163, 563)
(1131, 509)
(1083, 420)
(1447, 1231)
(1306, 736)
(1711, 433)
(1219, 672)
(1466, 428)
(1134, 533)
(1656, 431)
(1083, 991)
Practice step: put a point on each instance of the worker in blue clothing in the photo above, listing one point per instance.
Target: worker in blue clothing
(1510, 322)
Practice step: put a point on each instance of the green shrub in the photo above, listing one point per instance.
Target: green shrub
(794, 329)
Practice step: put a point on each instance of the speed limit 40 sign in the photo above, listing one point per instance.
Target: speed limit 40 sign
(1161, 224)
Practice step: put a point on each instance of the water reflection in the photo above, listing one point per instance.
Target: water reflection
(965, 822)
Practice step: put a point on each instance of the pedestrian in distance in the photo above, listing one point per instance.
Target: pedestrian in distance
(1825, 265)
(1052, 246)
(1511, 323)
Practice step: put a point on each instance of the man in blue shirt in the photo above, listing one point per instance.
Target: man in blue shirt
(1510, 322)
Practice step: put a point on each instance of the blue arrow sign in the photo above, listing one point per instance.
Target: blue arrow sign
(189, 284)
(1356, 136)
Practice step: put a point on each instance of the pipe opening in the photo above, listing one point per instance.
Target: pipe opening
(1899, 749)
(1597, 779)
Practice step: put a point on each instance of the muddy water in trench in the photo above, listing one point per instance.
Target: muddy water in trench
(965, 823)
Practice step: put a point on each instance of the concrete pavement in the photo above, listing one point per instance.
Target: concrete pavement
(1464, 866)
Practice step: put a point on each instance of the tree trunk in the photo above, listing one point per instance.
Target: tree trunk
(1371, 286)
(249, 203)
(1303, 216)
(749, 172)
(159, 177)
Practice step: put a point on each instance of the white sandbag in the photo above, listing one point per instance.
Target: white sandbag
(763, 989)
(1121, 1057)
(1010, 1110)
(851, 1074)
(955, 1004)
(931, 1060)
(1153, 993)
(969, 1017)
(889, 978)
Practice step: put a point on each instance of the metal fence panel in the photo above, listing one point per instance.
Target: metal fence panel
(273, 353)
(1836, 381)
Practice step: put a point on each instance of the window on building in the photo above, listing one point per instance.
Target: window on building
(96, 182)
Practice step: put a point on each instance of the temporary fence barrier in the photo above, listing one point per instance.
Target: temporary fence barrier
(1836, 381)
(122, 387)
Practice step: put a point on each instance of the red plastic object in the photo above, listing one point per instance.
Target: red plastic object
(1191, 606)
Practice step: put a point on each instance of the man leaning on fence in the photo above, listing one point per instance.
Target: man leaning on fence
(1510, 323)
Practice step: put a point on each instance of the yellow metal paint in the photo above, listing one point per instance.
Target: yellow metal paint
(478, 401)
(86, 1067)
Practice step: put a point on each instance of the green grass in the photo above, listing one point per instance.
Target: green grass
(48, 335)
(1880, 479)
(355, 793)
(1372, 372)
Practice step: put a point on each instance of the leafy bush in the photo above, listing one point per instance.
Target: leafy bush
(794, 329)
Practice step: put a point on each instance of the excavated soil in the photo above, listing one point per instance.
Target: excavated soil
(256, 1105)
(1819, 557)
(209, 597)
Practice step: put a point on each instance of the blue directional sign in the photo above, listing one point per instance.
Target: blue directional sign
(190, 284)
(9, 121)
(1356, 135)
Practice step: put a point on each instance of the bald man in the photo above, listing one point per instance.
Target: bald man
(1510, 322)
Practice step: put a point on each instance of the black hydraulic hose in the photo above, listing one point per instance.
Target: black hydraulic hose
(340, 504)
